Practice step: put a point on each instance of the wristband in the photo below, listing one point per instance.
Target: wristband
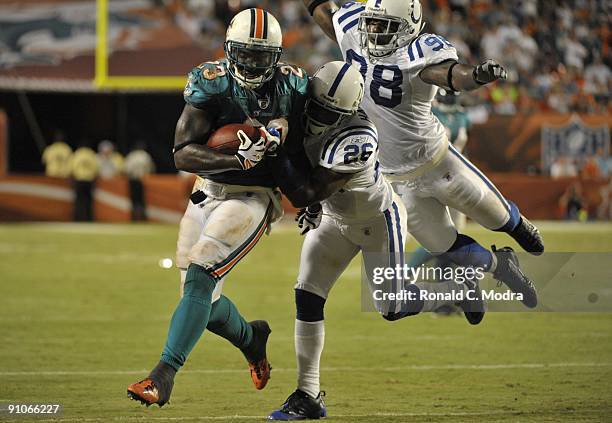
(449, 77)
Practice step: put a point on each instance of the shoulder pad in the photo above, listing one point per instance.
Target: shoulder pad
(431, 49)
(296, 77)
(350, 150)
(205, 82)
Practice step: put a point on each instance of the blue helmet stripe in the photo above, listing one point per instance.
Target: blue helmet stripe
(351, 13)
(338, 79)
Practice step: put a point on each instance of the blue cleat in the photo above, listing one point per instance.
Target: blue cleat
(301, 406)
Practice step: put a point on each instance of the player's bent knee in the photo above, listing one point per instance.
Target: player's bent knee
(207, 251)
(182, 257)
(199, 284)
(309, 306)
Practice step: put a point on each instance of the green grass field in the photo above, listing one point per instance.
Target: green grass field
(84, 312)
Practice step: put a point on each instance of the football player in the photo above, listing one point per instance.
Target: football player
(451, 114)
(403, 68)
(235, 201)
(456, 121)
(358, 212)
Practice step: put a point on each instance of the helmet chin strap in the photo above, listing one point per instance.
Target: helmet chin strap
(244, 82)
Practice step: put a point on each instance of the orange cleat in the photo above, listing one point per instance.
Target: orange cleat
(156, 388)
(260, 373)
(256, 354)
(144, 391)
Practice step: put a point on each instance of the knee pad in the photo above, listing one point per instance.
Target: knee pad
(309, 306)
(190, 228)
(465, 192)
(207, 252)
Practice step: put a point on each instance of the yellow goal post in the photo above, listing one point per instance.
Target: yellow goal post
(103, 80)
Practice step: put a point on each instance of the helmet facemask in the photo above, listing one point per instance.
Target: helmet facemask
(252, 65)
(320, 117)
(447, 100)
(381, 35)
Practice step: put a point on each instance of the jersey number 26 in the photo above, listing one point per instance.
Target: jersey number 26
(352, 153)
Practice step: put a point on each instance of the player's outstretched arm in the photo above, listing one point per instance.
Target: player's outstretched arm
(305, 188)
(459, 77)
(190, 153)
(322, 11)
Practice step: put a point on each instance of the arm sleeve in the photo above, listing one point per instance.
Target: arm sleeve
(350, 153)
(431, 49)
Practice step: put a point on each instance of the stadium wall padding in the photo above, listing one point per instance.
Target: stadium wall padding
(41, 198)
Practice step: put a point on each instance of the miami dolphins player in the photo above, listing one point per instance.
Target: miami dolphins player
(358, 212)
(235, 201)
(403, 68)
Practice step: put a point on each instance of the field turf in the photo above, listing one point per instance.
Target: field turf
(84, 311)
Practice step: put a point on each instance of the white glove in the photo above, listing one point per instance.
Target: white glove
(309, 218)
(250, 152)
(489, 71)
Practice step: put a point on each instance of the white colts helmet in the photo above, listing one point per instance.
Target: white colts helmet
(336, 90)
(386, 25)
(253, 47)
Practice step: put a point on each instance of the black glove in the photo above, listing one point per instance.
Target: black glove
(309, 217)
(489, 71)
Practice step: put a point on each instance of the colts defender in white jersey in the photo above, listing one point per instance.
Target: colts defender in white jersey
(403, 69)
(359, 212)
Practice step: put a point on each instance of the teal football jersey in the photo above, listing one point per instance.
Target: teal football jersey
(452, 120)
(211, 88)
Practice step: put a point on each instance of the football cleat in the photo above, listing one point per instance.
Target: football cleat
(301, 406)
(528, 237)
(156, 388)
(473, 309)
(509, 272)
(147, 393)
(255, 354)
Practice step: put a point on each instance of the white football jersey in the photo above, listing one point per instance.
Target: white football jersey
(352, 148)
(396, 99)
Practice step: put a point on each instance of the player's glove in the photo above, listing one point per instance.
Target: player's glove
(250, 152)
(309, 217)
(489, 71)
(273, 140)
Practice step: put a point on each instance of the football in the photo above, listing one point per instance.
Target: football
(225, 139)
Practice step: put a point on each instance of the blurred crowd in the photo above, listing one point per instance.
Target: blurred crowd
(557, 51)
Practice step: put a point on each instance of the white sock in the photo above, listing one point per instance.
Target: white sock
(309, 340)
(439, 288)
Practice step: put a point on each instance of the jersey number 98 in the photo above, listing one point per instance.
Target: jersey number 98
(391, 80)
